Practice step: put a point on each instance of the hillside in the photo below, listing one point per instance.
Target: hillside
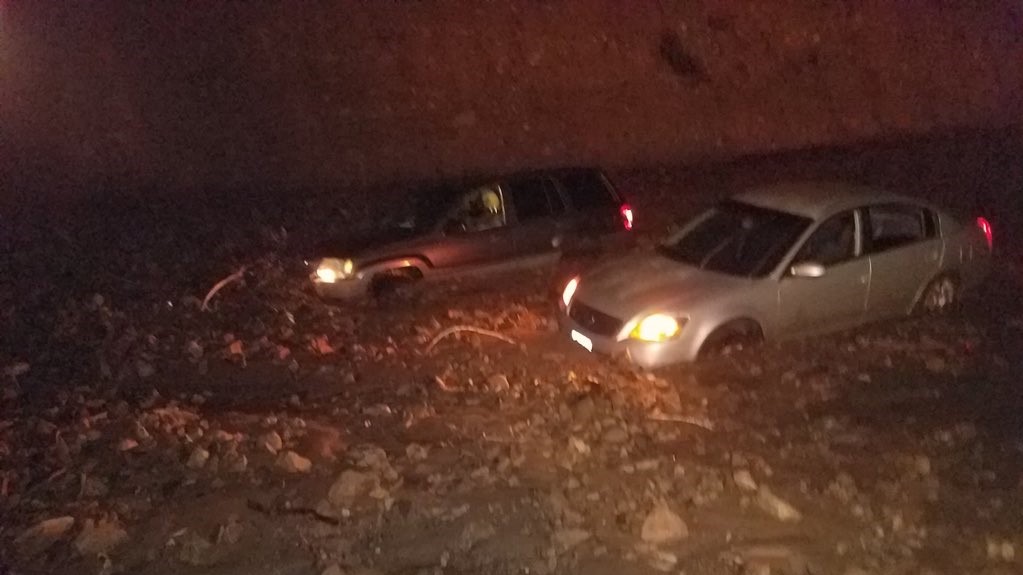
(131, 95)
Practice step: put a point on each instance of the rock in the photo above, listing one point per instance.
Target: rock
(566, 539)
(416, 452)
(93, 487)
(230, 532)
(16, 369)
(272, 442)
(198, 458)
(578, 445)
(195, 550)
(616, 435)
(234, 462)
(743, 480)
(922, 464)
(662, 525)
(1000, 550)
(854, 570)
(333, 569)
(42, 535)
(474, 533)
(584, 410)
(843, 488)
(350, 486)
(144, 369)
(663, 561)
(498, 383)
(127, 444)
(194, 350)
(648, 464)
(776, 506)
(774, 559)
(100, 537)
(292, 462)
(371, 456)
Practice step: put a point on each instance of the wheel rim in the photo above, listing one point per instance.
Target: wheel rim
(940, 296)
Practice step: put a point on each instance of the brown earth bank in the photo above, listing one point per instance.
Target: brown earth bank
(177, 98)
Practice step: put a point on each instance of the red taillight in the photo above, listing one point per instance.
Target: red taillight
(626, 213)
(985, 228)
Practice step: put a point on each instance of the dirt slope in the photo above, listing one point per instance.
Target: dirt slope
(168, 97)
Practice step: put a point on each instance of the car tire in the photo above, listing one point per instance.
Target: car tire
(390, 283)
(940, 296)
(732, 337)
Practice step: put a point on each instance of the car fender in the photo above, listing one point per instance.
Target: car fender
(393, 264)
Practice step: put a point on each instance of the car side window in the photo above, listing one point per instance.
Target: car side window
(534, 198)
(587, 190)
(896, 225)
(833, 242)
(478, 210)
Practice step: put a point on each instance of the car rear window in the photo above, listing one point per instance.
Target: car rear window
(896, 225)
(587, 189)
(738, 239)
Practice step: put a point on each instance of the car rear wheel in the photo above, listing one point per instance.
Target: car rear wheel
(940, 296)
(730, 338)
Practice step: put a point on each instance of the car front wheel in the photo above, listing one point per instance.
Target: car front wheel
(730, 338)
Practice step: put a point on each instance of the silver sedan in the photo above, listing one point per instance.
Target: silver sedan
(774, 263)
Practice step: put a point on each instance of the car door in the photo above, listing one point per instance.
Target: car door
(905, 252)
(475, 232)
(837, 299)
(537, 207)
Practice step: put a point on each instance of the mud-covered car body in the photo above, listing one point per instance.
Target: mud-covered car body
(527, 219)
(773, 263)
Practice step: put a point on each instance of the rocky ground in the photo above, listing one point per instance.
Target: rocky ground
(275, 433)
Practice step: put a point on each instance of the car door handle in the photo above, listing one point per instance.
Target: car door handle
(556, 241)
(864, 278)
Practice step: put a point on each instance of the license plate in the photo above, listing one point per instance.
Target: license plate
(582, 340)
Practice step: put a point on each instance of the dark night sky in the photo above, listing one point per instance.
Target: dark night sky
(107, 95)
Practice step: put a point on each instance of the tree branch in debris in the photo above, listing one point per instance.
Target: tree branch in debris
(467, 328)
(236, 276)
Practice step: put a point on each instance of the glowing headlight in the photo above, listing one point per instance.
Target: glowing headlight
(566, 296)
(332, 269)
(326, 275)
(657, 327)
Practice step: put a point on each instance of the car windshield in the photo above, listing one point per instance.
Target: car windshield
(738, 239)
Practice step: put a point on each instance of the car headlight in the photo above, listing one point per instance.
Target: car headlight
(657, 327)
(332, 269)
(570, 287)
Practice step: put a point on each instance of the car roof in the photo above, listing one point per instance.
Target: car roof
(472, 180)
(818, 200)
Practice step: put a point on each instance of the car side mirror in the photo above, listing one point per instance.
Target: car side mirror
(807, 270)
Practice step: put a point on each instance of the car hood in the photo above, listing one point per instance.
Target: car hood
(627, 286)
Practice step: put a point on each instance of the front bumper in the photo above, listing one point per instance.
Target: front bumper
(645, 354)
(352, 288)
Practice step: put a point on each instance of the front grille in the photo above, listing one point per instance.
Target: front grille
(594, 320)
